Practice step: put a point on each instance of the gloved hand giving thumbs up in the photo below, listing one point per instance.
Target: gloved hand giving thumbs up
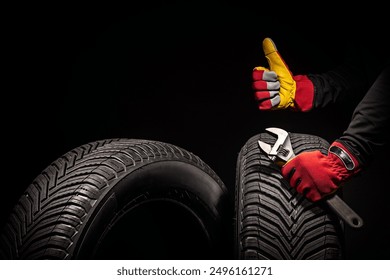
(277, 88)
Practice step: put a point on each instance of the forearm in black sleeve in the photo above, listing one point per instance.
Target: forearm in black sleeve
(369, 126)
(345, 81)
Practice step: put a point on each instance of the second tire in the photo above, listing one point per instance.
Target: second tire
(120, 199)
(272, 220)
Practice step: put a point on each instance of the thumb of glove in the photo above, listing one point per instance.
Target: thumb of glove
(277, 64)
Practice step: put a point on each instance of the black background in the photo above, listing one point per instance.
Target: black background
(178, 73)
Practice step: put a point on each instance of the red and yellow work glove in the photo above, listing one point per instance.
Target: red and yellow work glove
(277, 88)
(316, 175)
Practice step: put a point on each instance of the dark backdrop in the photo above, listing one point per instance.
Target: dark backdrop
(179, 73)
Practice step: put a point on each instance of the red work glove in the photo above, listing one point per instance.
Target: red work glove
(317, 175)
(277, 88)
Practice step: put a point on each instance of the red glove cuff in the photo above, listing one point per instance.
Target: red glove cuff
(345, 159)
(304, 94)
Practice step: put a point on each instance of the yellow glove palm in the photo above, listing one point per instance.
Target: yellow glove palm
(276, 88)
(287, 83)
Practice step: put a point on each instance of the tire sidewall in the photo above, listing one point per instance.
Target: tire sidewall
(190, 187)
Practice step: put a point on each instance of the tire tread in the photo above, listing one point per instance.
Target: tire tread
(53, 208)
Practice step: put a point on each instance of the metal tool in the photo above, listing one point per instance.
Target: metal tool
(282, 151)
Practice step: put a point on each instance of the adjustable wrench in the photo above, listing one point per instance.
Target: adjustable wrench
(282, 151)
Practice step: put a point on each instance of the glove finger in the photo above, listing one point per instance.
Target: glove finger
(265, 95)
(313, 195)
(301, 187)
(328, 188)
(265, 105)
(260, 68)
(264, 85)
(261, 73)
(288, 169)
(292, 176)
(269, 103)
(266, 101)
(260, 85)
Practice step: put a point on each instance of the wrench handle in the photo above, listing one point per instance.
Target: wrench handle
(345, 212)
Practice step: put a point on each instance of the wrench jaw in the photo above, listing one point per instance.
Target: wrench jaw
(281, 136)
(267, 148)
(281, 151)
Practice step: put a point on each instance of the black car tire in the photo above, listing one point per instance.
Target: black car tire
(272, 220)
(121, 199)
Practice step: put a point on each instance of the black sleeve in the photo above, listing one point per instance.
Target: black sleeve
(369, 126)
(347, 81)
(359, 65)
